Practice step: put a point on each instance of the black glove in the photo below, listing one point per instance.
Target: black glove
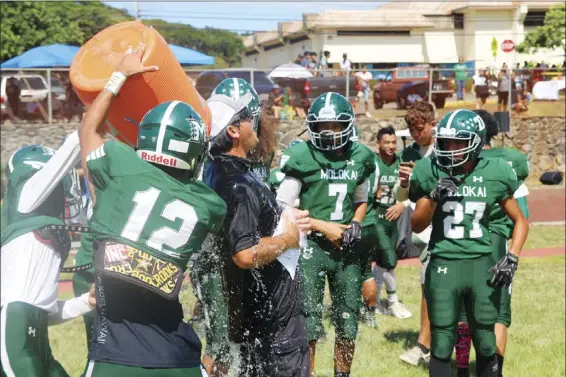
(504, 271)
(444, 187)
(352, 235)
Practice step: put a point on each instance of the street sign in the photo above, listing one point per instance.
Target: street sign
(507, 45)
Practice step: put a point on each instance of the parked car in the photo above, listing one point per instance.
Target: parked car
(208, 80)
(33, 91)
(312, 87)
(400, 83)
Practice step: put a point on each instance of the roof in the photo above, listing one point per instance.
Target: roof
(392, 15)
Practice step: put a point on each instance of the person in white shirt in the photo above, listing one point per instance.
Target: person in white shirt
(364, 78)
(481, 87)
(345, 64)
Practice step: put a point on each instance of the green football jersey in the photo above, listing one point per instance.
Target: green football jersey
(275, 179)
(15, 223)
(388, 175)
(370, 218)
(460, 223)
(139, 205)
(499, 222)
(328, 181)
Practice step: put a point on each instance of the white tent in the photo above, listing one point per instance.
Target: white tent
(289, 70)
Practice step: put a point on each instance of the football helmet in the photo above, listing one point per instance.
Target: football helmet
(173, 134)
(236, 88)
(330, 107)
(461, 125)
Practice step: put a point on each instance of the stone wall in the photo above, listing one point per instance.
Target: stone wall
(541, 139)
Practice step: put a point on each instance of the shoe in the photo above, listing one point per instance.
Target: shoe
(397, 309)
(368, 114)
(415, 355)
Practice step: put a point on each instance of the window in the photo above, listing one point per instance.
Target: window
(31, 83)
(418, 74)
(239, 75)
(252, 52)
(401, 74)
(260, 78)
(458, 20)
(534, 19)
(389, 76)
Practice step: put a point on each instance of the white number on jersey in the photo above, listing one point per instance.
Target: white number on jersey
(452, 229)
(340, 190)
(176, 209)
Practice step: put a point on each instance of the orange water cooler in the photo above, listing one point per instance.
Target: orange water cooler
(98, 58)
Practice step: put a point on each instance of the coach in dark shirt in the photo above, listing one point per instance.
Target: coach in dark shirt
(264, 308)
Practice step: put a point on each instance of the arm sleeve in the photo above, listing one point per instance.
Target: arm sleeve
(522, 202)
(240, 224)
(511, 183)
(522, 191)
(41, 184)
(98, 164)
(70, 309)
(289, 191)
(401, 193)
(361, 193)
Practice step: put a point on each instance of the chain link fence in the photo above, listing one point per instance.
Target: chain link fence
(47, 95)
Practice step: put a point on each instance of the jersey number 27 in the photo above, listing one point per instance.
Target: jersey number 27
(176, 209)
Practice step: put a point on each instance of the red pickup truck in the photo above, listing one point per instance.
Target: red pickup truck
(402, 84)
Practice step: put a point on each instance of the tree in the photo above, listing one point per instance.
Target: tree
(550, 35)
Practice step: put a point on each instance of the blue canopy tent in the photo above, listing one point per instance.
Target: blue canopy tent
(60, 55)
(55, 55)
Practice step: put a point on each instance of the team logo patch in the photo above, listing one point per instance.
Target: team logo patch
(327, 113)
(140, 268)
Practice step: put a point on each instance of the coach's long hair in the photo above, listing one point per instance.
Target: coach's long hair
(265, 149)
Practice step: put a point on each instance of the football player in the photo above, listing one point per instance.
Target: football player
(388, 212)
(151, 214)
(456, 193)
(368, 248)
(35, 244)
(330, 175)
(500, 231)
(276, 176)
(420, 119)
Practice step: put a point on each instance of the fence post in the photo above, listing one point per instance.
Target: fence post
(510, 97)
(49, 103)
(252, 70)
(348, 84)
(430, 73)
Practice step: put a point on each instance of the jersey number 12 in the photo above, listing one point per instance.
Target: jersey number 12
(176, 209)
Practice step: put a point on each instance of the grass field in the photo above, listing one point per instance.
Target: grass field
(536, 339)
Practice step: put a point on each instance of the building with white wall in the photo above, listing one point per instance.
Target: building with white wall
(406, 32)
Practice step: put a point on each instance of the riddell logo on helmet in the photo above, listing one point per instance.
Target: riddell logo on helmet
(158, 159)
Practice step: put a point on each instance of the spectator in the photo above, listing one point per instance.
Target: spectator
(503, 86)
(481, 87)
(364, 78)
(345, 64)
(306, 59)
(522, 100)
(312, 62)
(323, 66)
(299, 59)
(460, 76)
(13, 93)
(295, 102)
(275, 101)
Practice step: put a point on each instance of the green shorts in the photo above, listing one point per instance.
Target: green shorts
(100, 369)
(25, 342)
(499, 249)
(367, 247)
(448, 284)
(321, 259)
(387, 240)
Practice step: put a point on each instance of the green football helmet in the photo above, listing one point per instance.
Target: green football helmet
(330, 107)
(461, 125)
(173, 134)
(235, 88)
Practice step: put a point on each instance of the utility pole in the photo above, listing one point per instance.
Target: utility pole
(138, 10)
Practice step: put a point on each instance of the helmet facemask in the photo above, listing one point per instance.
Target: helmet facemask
(453, 158)
(328, 139)
(73, 198)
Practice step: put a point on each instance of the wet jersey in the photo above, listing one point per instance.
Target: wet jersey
(141, 206)
(499, 222)
(329, 181)
(460, 223)
(370, 218)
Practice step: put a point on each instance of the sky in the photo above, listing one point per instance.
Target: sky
(235, 16)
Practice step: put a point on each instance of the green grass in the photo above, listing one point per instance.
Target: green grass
(536, 338)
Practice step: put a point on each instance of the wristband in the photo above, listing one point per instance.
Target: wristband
(115, 82)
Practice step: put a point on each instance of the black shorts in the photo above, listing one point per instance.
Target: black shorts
(502, 98)
(282, 354)
(482, 91)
